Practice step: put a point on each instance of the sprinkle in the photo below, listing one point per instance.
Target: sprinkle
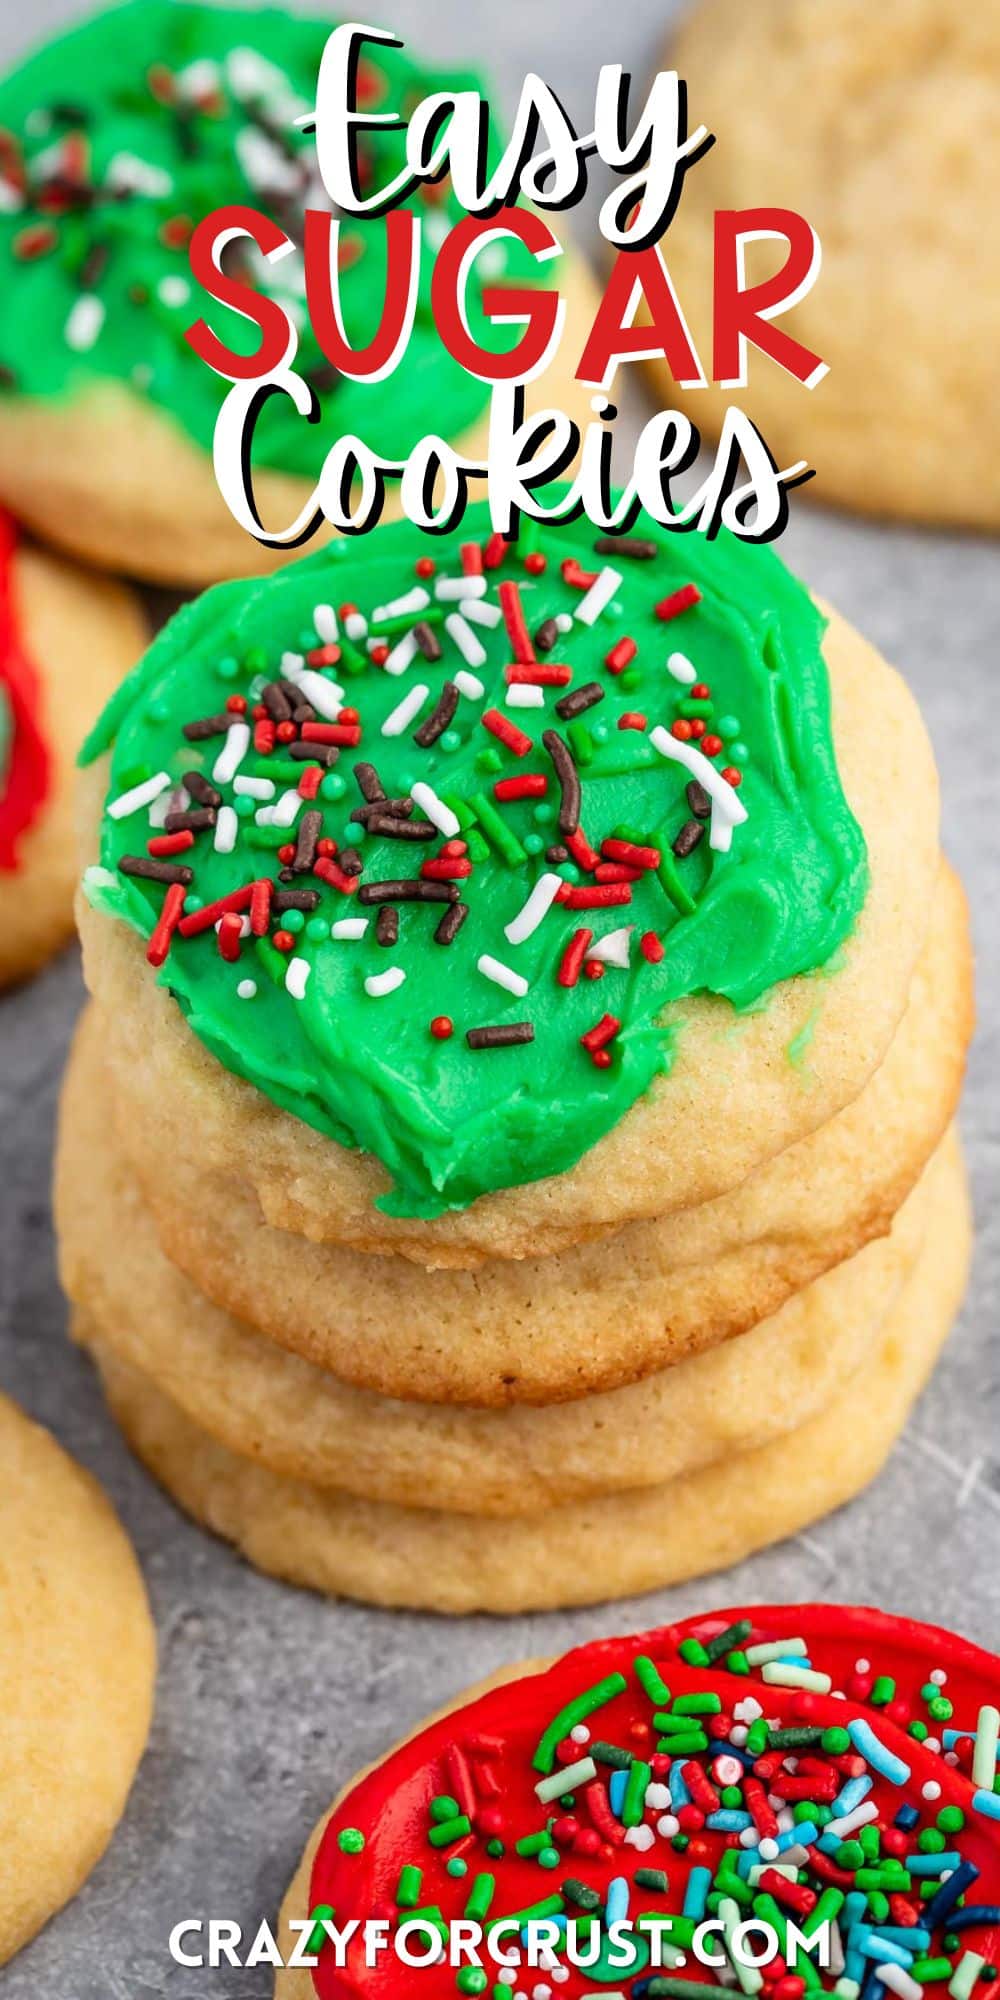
(403, 654)
(229, 932)
(406, 890)
(603, 896)
(461, 633)
(325, 621)
(321, 693)
(511, 1034)
(451, 923)
(297, 977)
(514, 620)
(984, 1755)
(785, 1673)
(566, 1780)
(169, 918)
(468, 685)
(598, 597)
(231, 755)
(631, 853)
(479, 613)
(84, 323)
(403, 714)
(621, 655)
(987, 1803)
(569, 780)
(246, 989)
(437, 812)
(534, 911)
(502, 975)
(408, 606)
(678, 601)
(680, 667)
(520, 696)
(427, 640)
(900, 1982)
(875, 1753)
(532, 785)
(573, 958)
(629, 546)
(227, 828)
(206, 918)
(728, 810)
(452, 589)
(579, 700)
(966, 1973)
(613, 949)
(349, 928)
(378, 984)
(139, 796)
(506, 732)
(604, 1031)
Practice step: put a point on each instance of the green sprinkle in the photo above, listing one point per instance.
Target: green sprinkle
(323, 1913)
(652, 1878)
(443, 1808)
(734, 1635)
(449, 1830)
(497, 832)
(650, 1680)
(456, 1866)
(408, 1886)
(480, 1897)
(471, 1979)
(633, 1804)
(574, 1713)
(351, 1840)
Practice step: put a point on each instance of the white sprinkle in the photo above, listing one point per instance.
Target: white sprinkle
(785, 1674)
(403, 713)
(127, 170)
(435, 810)
(408, 606)
(535, 910)
(502, 975)
(938, 1676)
(862, 1666)
(247, 989)
(580, 1733)
(900, 1982)
(173, 291)
(668, 1826)
(286, 812)
(199, 79)
(452, 589)
(463, 636)
(641, 1837)
(468, 685)
(614, 950)
(227, 827)
(658, 1797)
(356, 626)
(176, 800)
(564, 622)
(598, 597)
(748, 1710)
(728, 809)
(932, 1789)
(264, 164)
(984, 1755)
(231, 755)
(378, 984)
(522, 695)
(325, 622)
(680, 666)
(86, 318)
(403, 654)
(322, 695)
(140, 795)
(297, 977)
(11, 201)
(349, 927)
(254, 788)
(847, 1822)
(480, 613)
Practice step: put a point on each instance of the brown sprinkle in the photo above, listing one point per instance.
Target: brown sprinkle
(579, 699)
(155, 871)
(687, 840)
(506, 1036)
(387, 926)
(698, 799)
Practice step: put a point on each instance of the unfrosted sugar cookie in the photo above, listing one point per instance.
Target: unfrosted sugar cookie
(801, 1766)
(885, 137)
(116, 139)
(66, 640)
(504, 883)
(77, 1666)
(578, 1552)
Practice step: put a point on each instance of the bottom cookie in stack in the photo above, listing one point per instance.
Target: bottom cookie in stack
(459, 1509)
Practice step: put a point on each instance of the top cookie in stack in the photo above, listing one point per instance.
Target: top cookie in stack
(517, 971)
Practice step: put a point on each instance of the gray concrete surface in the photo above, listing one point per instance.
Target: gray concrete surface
(268, 1699)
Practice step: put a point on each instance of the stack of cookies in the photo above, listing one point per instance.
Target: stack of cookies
(507, 1161)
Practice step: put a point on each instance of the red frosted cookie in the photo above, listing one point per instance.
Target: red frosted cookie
(830, 1767)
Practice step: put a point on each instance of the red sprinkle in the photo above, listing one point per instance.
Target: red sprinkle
(494, 552)
(577, 578)
(170, 843)
(323, 656)
(441, 868)
(682, 729)
(260, 907)
(328, 871)
(630, 853)
(601, 1033)
(286, 732)
(616, 871)
(236, 704)
(441, 1026)
(283, 941)
(331, 732)
(34, 242)
(310, 781)
(263, 736)
(603, 896)
(579, 847)
(652, 951)
(513, 738)
(202, 920)
(732, 776)
(594, 969)
(633, 719)
(533, 785)
(379, 655)
(678, 601)
(472, 564)
(514, 619)
(711, 745)
(573, 957)
(537, 673)
(229, 935)
(701, 691)
(169, 917)
(622, 652)
(425, 566)
(536, 564)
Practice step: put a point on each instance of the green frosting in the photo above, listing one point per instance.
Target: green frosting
(117, 136)
(450, 1121)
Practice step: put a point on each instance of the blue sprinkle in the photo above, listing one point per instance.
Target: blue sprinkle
(616, 1901)
(728, 1821)
(717, 1747)
(805, 1834)
(987, 1803)
(851, 1795)
(931, 1864)
(876, 1753)
(699, 1883)
(985, 1914)
(907, 1818)
(873, 1946)
(617, 1784)
(679, 1794)
(944, 1899)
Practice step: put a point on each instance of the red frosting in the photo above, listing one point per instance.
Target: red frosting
(481, 1756)
(24, 785)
